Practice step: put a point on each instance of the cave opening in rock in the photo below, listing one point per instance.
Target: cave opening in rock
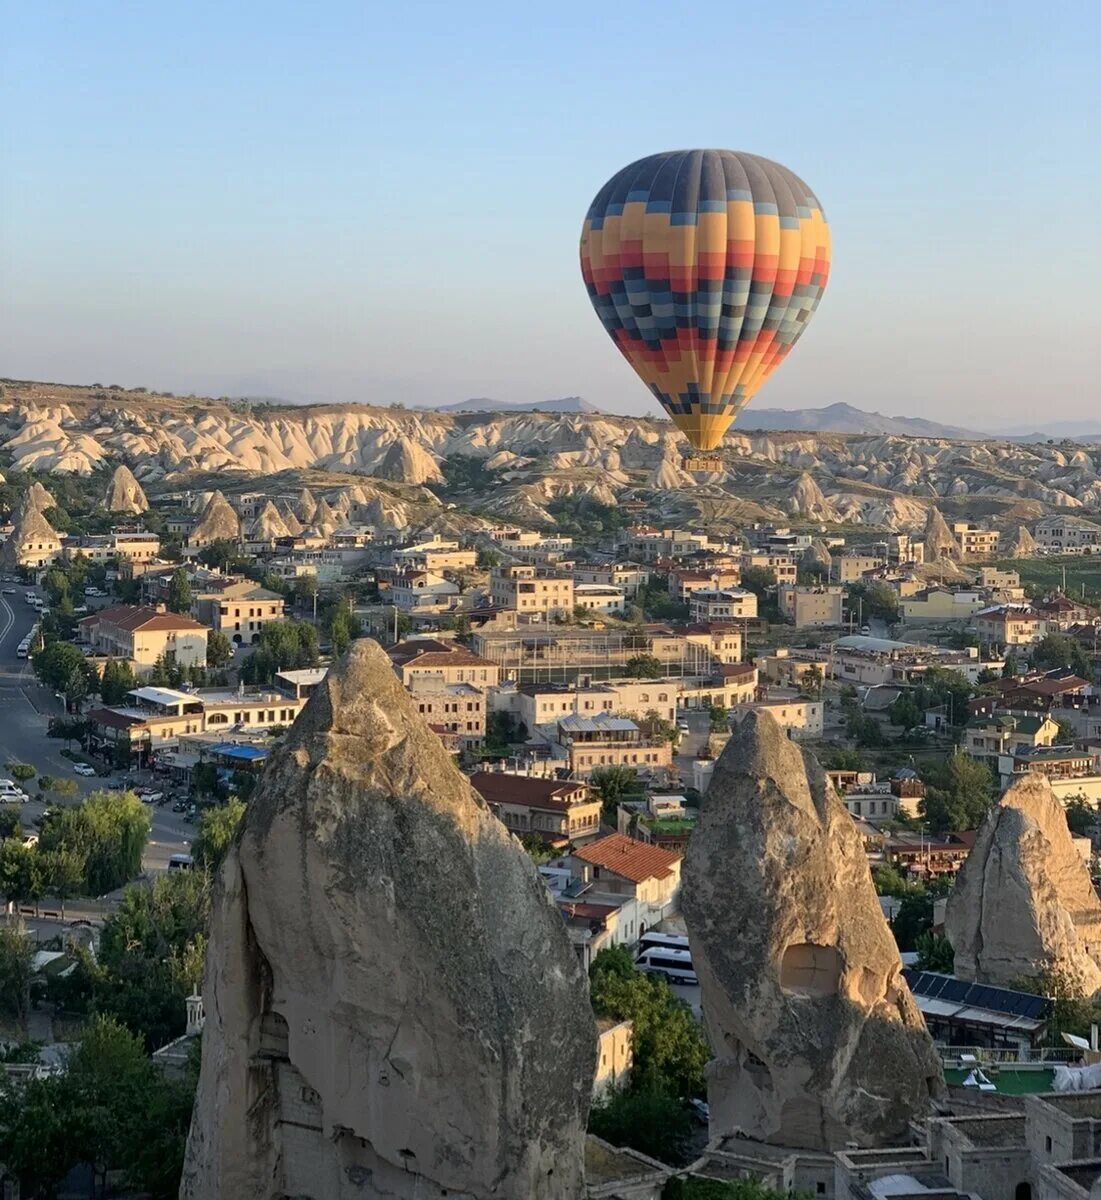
(808, 969)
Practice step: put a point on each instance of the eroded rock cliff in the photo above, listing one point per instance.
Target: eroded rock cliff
(393, 1007)
(1023, 903)
(817, 1040)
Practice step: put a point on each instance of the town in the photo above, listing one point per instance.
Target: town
(157, 648)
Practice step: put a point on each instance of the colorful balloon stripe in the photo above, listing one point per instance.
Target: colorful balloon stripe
(705, 267)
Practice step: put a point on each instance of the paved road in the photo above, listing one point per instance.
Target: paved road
(27, 706)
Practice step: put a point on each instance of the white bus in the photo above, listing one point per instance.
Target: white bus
(662, 941)
(675, 965)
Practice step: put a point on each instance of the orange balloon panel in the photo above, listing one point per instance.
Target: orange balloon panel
(705, 267)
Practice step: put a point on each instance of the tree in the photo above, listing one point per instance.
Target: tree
(486, 558)
(76, 686)
(813, 681)
(652, 1122)
(16, 959)
(643, 666)
(305, 588)
(1009, 666)
(216, 829)
(905, 711)
(10, 823)
(1081, 816)
(759, 580)
(340, 632)
(63, 873)
(1067, 734)
(958, 794)
(1058, 651)
(55, 663)
(180, 597)
(151, 955)
(719, 717)
(23, 772)
(219, 650)
(17, 866)
(117, 679)
(109, 830)
(840, 758)
(935, 953)
(611, 784)
(219, 555)
(876, 599)
(948, 689)
(670, 1052)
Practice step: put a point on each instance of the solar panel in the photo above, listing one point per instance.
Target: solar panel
(976, 995)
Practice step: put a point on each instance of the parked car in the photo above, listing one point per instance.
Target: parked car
(9, 591)
(83, 769)
(152, 797)
(180, 806)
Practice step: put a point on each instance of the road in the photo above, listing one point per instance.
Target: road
(27, 708)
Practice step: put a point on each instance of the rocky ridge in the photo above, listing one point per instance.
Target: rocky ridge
(393, 1007)
(817, 1040)
(1023, 904)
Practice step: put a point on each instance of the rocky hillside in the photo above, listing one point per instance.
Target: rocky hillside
(513, 464)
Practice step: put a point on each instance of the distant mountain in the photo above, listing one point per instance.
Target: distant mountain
(1080, 431)
(843, 418)
(568, 404)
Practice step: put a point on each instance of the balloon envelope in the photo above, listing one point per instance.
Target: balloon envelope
(705, 267)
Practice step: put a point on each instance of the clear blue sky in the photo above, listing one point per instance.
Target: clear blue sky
(382, 201)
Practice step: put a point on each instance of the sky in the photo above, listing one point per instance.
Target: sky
(382, 202)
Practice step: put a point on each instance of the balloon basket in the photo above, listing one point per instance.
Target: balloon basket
(702, 462)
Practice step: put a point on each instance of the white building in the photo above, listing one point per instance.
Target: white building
(599, 598)
(725, 605)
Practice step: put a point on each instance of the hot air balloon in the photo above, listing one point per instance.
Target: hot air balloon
(705, 267)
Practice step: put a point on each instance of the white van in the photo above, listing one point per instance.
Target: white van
(675, 965)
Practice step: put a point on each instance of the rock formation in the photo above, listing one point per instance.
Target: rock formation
(1018, 543)
(939, 542)
(324, 519)
(37, 496)
(408, 462)
(293, 525)
(816, 559)
(817, 1040)
(306, 506)
(393, 1007)
(33, 541)
(219, 522)
(268, 525)
(1023, 902)
(808, 500)
(125, 495)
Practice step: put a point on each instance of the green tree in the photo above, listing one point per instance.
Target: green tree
(23, 772)
(1067, 734)
(1081, 816)
(17, 867)
(611, 784)
(221, 555)
(1060, 651)
(813, 681)
(76, 686)
(340, 632)
(117, 679)
(180, 597)
(151, 955)
(109, 831)
(159, 675)
(16, 958)
(958, 794)
(905, 711)
(670, 1052)
(643, 666)
(913, 918)
(759, 580)
(935, 953)
(11, 825)
(219, 650)
(216, 829)
(55, 664)
(37, 1120)
(652, 1122)
(1009, 666)
(63, 873)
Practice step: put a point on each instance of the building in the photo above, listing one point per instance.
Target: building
(627, 576)
(538, 704)
(994, 579)
(33, 542)
(1009, 625)
(559, 812)
(811, 607)
(852, 567)
(940, 604)
(1067, 535)
(614, 1055)
(457, 710)
(801, 718)
(434, 556)
(784, 566)
(142, 635)
(648, 543)
(998, 739)
(974, 541)
(730, 604)
(534, 596)
(120, 545)
(622, 866)
(599, 598)
(723, 642)
(447, 662)
(240, 610)
(302, 682)
(683, 582)
(417, 592)
(607, 741)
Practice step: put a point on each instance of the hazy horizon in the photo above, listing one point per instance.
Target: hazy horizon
(346, 205)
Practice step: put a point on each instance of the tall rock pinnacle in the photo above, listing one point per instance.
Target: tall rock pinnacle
(1023, 903)
(817, 1040)
(393, 1006)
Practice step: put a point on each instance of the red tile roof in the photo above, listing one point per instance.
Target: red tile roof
(633, 860)
(132, 618)
(495, 787)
